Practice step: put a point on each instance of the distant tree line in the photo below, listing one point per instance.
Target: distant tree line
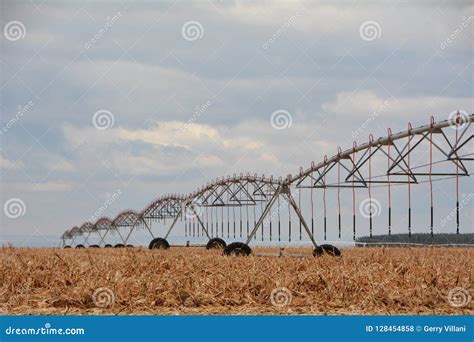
(416, 239)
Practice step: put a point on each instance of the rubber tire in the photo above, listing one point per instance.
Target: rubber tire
(129, 246)
(67, 246)
(238, 249)
(119, 245)
(108, 246)
(94, 246)
(159, 243)
(326, 249)
(216, 243)
(80, 246)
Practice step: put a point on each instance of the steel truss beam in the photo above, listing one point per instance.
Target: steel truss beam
(103, 223)
(127, 219)
(317, 172)
(456, 150)
(235, 191)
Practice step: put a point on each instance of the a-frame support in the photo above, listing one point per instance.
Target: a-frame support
(283, 190)
(103, 237)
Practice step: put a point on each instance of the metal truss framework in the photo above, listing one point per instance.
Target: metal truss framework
(351, 167)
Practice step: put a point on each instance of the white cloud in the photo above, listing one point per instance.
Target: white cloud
(165, 134)
(206, 161)
(59, 164)
(166, 146)
(354, 103)
(341, 21)
(8, 164)
(48, 186)
(53, 186)
(359, 105)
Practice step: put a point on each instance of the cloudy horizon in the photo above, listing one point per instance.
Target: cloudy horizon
(151, 99)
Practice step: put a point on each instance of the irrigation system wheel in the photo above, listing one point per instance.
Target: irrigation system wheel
(108, 246)
(129, 246)
(119, 245)
(67, 246)
(159, 243)
(237, 249)
(326, 249)
(94, 246)
(216, 243)
(80, 246)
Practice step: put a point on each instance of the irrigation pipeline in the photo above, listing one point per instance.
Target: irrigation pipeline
(200, 209)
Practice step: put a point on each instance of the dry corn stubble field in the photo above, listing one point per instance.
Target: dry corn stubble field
(196, 281)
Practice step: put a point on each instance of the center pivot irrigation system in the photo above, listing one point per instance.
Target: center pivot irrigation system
(239, 207)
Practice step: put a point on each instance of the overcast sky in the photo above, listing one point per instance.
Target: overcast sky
(149, 99)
